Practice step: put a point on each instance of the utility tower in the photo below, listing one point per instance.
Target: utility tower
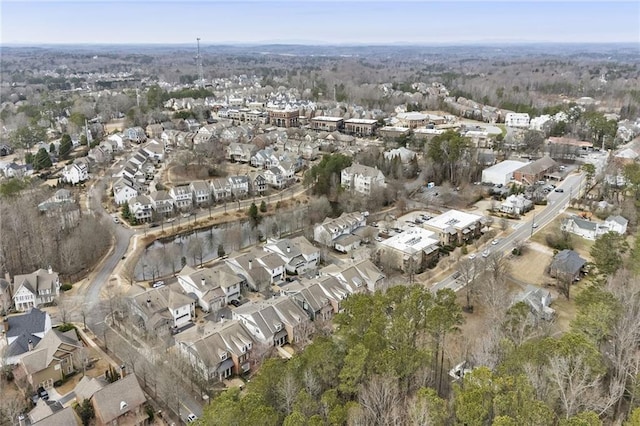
(200, 81)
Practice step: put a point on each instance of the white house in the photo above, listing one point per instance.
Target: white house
(162, 202)
(362, 178)
(330, 231)
(540, 123)
(118, 139)
(154, 151)
(201, 192)
(239, 186)
(582, 227)
(275, 321)
(162, 308)
(616, 224)
(298, 253)
(405, 155)
(201, 284)
(592, 230)
(259, 268)
(516, 204)
(35, 289)
(123, 191)
(220, 188)
(513, 119)
(75, 173)
(501, 173)
(141, 208)
(182, 196)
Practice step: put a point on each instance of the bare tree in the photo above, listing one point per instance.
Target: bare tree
(469, 271)
(287, 390)
(575, 384)
(381, 399)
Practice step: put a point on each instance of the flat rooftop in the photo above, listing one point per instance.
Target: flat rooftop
(506, 166)
(411, 241)
(326, 118)
(453, 218)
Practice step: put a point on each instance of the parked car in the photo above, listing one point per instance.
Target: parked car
(192, 418)
(535, 225)
(472, 256)
(495, 242)
(559, 190)
(158, 284)
(486, 253)
(43, 394)
(235, 303)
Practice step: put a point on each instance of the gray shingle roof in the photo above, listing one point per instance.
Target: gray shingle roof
(108, 401)
(568, 262)
(23, 328)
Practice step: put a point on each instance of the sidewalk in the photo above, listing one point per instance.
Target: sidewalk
(89, 338)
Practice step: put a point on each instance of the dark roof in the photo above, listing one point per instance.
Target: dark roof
(23, 328)
(568, 262)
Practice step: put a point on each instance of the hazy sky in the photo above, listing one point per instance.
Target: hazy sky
(163, 21)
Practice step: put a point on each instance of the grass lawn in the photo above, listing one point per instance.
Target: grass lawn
(580, 245)
(530, 267)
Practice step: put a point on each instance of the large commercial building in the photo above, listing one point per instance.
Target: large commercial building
(501, 173)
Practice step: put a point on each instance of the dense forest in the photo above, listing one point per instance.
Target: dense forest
(386, 365)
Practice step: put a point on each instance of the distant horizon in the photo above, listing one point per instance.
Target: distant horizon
(487, 43)
(317, 22)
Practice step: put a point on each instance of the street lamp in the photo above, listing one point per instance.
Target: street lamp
(533, 223)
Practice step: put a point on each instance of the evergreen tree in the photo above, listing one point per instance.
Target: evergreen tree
(254, 215)
(65, 146)
(42, 160)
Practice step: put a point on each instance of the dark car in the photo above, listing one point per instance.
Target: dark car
(235, 303)
(559, 190)
(42, 393)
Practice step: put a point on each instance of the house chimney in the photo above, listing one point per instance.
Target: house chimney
(5, 324)
(49, 270)
(149, 302)
(123, 371)
(203, 282)
(222, 318)
(30, 345)
(250, 263)
(288, 249)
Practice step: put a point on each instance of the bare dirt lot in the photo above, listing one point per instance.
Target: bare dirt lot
(530, 267)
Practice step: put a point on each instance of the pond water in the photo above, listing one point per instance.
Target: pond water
(167, 256)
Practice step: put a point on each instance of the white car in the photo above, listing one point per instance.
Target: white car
(472, 256)
(535, 225)
(486, 253)
(495, 242)
(192, 418)
(158, 284)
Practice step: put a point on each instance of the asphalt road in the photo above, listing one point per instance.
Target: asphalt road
(121, 235)
(557, 202)
(97, 309)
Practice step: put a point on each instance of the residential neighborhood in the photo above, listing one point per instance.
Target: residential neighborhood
(328, 234)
